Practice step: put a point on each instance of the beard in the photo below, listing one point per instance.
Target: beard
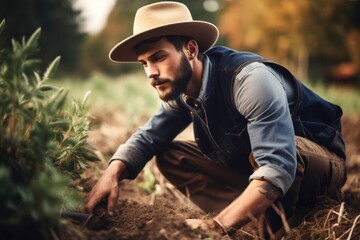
(178, 84)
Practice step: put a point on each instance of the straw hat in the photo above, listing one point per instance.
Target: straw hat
(161, 19)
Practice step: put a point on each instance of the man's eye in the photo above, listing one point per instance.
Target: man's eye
(158, 58)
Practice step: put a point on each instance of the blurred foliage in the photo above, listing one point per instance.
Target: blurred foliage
(148, 182)
(307, 36)
(42, 145)
(114, 92)
(59, 23)
(310, 37)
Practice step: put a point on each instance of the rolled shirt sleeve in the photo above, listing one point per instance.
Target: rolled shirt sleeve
(261, 97)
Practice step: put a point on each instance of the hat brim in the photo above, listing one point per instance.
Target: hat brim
(205, 33)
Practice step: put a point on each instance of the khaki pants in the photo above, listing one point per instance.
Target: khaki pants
(213, 186)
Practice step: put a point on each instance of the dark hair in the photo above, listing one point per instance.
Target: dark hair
(177, 41)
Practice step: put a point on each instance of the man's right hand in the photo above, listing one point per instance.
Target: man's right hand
(107, 187)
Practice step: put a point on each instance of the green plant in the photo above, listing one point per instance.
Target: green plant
(149, 181)
(42, 145)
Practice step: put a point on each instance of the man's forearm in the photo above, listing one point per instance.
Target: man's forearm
(256, 198)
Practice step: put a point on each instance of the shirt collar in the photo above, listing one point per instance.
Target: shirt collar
(204, 83)
(205, 79)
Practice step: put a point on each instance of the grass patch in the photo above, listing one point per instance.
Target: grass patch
(132, 94)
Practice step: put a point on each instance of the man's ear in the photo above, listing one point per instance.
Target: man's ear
(192, 49)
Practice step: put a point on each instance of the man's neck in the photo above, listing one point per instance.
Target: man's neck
(194, 86)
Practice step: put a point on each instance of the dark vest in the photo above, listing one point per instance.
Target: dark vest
(220, 130)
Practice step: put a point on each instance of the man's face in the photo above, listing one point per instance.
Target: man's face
(168, 69)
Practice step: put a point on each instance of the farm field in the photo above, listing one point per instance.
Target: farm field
(160, 214)
(57, 132)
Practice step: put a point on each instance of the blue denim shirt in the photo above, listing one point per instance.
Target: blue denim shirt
(266, 106)
(269, 125)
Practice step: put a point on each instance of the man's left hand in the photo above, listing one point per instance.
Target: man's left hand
(208, 224)
(197, 223)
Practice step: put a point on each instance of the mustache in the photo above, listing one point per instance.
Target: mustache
(158, 81)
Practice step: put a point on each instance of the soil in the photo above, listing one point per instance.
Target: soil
(162, 214)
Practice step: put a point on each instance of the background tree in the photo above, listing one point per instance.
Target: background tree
(59, 23)
(307, 36)
(94, 55)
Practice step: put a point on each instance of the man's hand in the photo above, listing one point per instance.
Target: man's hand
(255, 200)
(208, 224)
(107, 187)
(197, 223)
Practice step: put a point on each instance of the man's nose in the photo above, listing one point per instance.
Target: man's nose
(152, 71)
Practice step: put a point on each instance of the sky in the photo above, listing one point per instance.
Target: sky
(94, 12)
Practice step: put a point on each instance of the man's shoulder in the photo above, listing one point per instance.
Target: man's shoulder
(221, 49)
(222, 53)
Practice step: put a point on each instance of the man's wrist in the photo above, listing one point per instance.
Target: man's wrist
(221, 226)
(218, 226)
(120, 168)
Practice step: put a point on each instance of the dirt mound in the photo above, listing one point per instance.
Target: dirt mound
(351, 132)
(159, 221)
(132, 220)
(139, 216)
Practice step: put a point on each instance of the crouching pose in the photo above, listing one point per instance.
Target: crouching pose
(263, 140)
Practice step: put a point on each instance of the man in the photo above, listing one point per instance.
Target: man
(261, 136)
